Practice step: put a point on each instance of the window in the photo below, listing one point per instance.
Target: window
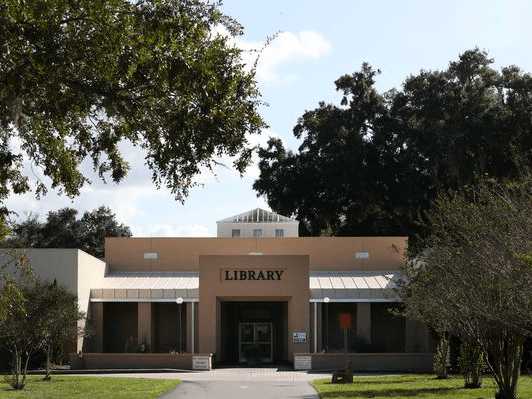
(279, 233)
(235, 233)
(333, 335)
(387, 329)
(257, 232)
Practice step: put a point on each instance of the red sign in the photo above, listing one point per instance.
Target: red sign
(345, 320)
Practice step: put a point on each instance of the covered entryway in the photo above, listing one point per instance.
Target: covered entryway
(253, 333)
(255, 342)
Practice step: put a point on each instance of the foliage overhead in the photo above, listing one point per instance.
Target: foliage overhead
(81, 77)
(373, 164)
(474, 277)
(63, 230)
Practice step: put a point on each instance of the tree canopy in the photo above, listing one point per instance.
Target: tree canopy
(374, 163)
(80, 77)
(62, 229)
(474, 278)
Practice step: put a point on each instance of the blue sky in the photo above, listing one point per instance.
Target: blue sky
(319, 41)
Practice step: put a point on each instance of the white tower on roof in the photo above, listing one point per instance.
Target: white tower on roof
(258, 223)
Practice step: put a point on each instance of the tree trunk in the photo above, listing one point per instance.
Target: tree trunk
(25, 371)
(472, 364)
(441, 357)
(48, 375)
(505, 354)
(16, 379)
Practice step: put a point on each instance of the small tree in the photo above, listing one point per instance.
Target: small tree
(34, 315)
(18, 317)
(59, 324)
(476, 274)
(13, 306)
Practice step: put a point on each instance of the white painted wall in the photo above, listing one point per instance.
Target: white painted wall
(49, 264)
(224, 229)
(73, 269)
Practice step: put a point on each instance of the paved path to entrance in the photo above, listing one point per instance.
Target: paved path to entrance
(246, 383)
(238, 383)
(242, 390)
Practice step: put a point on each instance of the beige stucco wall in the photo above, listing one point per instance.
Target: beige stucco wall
(90, 274)
(381, 362)
(325, 253)
(96, 361)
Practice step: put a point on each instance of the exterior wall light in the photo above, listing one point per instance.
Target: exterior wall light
(179, 301)
(151, 255)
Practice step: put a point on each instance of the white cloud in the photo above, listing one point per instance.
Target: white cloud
(290, 47)
(170, 230)
(285, 48)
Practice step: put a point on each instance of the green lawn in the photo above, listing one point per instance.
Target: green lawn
(89, 387)
(413, 386)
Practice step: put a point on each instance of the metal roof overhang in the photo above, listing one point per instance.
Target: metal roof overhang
(325, 286)
(354, 286)
(148, 287)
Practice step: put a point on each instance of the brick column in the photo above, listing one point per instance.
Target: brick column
(144, 324)
(364, 321)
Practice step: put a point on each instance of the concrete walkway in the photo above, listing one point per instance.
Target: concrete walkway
(246, 383)
(242, 390)
(238, 383)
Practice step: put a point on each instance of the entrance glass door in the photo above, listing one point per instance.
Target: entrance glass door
(255, 342)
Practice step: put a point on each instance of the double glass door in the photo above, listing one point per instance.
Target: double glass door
(255, 342)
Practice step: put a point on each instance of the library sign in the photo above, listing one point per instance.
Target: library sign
(252, 275)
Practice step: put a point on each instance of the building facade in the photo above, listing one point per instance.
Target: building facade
(256, 294)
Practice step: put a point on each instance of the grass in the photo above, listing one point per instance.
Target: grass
(412, 386)
(62, 387)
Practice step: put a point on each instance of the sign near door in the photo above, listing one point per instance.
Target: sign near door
(345, 320)
(299, 337)
(201, 362)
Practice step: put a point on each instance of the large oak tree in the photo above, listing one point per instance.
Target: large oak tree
(373, 164)
(62, 229)
(79, 77)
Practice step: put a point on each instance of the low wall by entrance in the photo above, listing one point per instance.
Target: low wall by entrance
(384, 362)
(183, 361)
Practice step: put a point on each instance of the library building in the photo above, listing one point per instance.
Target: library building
(257, 294)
